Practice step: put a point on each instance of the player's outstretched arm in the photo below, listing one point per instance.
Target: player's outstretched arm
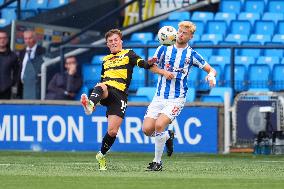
(168, 75)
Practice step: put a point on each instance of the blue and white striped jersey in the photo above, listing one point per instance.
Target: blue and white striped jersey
(179, 61)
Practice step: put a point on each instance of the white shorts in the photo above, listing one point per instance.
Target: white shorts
(170, 107)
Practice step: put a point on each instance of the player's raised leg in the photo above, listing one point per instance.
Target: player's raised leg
(99, 92)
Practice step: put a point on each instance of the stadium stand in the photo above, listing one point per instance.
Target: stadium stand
(236, 22)
(259, 76)
(277, 77)
(179, 16)
(90, 75)
(149, 92)
(240, 83)
(217, 94)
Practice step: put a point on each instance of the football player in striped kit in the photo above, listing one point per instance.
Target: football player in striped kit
(170, 95)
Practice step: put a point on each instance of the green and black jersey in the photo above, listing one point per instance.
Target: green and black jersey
(117, 68)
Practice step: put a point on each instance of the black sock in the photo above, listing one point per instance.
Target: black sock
(107, 143)
(96, 94)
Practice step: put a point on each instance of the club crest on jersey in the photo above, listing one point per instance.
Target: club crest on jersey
(187, 60)
(168, 67)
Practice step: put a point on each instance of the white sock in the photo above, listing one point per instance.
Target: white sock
(166, 133)
(160, 140)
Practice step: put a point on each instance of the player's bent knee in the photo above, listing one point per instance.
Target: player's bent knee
(159, 127)
(102, 85)
(147, 132)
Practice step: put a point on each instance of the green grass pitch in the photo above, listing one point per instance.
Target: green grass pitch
(37, 170)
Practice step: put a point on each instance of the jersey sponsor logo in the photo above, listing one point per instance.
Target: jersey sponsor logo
(174, 69)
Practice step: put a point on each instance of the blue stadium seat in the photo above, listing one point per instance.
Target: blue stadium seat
(193, 77)
(132, 43)
(280, 27)
(225, 51)
(220, 60)
(173, 23)
(225, 16)
(240, 77)
(200, 27)
(275, 6)
(138, 98)
(28, 13)
(152, 79)
(264, 27)
(273, 16)
(217, 94)
(97, 59)
(256, 6)
(204, 52)
(231, 6)
(196, 37)
(250, 16)
(138, 78)
(57, 3)
(202, 16)
(91, 74)
(146, 91)
(279, 38)
(259, 76)
(153, 42)
(144, 37)
(1, 2)
(244, 60)
(151, 52)
(277, 77)
(211, 98)
(238, 38)
(240, 27)
(4, 22)
(191, 94)
(262, 38)
(274, 52)
(250, 52)
(184, 15)
(12, 5)
(37, 4)
(24, 4)
(9, 14)
(216, 27)
(215, 38)
(139, 51)
(268, 60)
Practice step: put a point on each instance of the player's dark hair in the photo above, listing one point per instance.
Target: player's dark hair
(112, 32)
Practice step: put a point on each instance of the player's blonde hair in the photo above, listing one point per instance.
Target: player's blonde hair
(112, 32)
(188, 25)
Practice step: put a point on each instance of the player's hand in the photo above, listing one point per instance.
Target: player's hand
(168, 75)
(211, 80)
(152, 61)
